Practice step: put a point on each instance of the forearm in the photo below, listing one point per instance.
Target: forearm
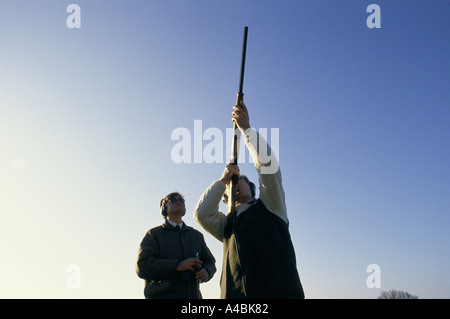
(209, 262)
(263, 156)
(207, 213)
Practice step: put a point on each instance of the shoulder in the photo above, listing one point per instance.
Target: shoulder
(192, 231)
(260, 207)
(154, 232)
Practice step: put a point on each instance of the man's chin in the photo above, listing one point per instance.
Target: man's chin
(181, 212)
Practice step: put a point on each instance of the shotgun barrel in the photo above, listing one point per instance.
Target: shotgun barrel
(235, 146)
(244, 52)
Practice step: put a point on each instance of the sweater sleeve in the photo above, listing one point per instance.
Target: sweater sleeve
(271, 190)
(207, 213)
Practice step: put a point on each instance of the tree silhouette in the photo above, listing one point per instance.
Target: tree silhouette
(396, 294)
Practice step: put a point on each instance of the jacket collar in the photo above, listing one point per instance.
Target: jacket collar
(168, 226)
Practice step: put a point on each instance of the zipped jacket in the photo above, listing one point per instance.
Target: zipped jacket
(160, 252)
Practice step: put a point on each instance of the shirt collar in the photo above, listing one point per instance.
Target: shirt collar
(175, 224)
(244, 206)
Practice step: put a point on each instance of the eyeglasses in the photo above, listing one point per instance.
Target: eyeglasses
(173, 200)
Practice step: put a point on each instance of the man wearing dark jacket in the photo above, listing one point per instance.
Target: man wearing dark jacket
(173, 258)
(258, 255)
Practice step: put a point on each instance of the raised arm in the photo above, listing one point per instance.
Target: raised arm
(266, 163)
(207, 213)
(271, 190)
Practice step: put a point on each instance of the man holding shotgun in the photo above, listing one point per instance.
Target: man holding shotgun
(258, 254)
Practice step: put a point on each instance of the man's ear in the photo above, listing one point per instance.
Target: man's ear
(225, 199)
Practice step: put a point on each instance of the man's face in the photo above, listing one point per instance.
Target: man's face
(243, 191)
(175, 205)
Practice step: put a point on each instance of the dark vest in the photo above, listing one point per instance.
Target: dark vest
(258, 257)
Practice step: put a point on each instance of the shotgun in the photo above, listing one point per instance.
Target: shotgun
(235, 146)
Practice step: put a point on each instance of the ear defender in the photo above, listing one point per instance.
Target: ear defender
(252, 189)
(162, 208)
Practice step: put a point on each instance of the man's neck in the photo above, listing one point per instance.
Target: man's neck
(175, 220)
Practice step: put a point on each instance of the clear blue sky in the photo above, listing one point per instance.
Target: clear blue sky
(86, 117)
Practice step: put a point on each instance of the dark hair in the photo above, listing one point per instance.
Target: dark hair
(252, 189)
(163, 202)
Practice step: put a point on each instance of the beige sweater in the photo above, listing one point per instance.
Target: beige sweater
(271, 192)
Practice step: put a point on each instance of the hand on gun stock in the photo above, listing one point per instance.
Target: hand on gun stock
(228, 172)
